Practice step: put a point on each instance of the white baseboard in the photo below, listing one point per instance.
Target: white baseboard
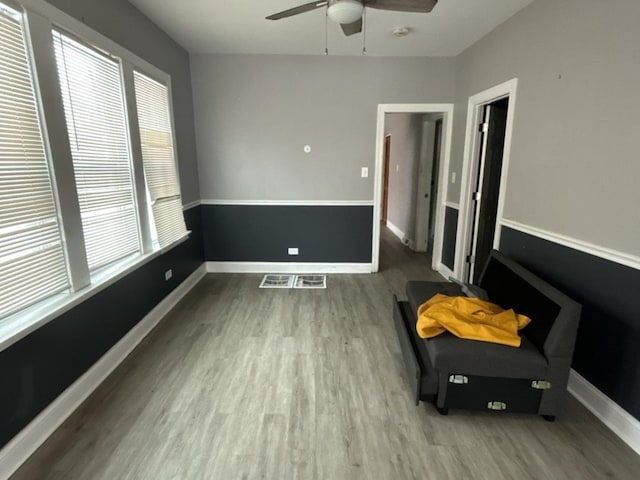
(23, 445)
(395, 230)
(287, 267)
(610, 413)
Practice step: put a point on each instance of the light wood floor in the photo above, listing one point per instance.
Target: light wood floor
(242, 383)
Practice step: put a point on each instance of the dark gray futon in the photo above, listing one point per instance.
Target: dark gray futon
(470, 374)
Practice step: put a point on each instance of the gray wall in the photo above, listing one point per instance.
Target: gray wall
(574, 165)
(404, 160)
(127, 26)
(254, 114)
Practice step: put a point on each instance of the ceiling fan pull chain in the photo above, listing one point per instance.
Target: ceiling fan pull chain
(326, 34)
(364, 32)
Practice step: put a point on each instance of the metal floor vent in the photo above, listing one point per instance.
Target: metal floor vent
(273, 280)
(310, 281)
(277, 281)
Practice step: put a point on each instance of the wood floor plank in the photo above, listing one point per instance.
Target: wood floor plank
(246, 383)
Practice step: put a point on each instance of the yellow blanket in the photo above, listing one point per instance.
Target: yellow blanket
(470, 318)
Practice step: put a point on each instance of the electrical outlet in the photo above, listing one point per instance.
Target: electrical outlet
(292, 251)
(168, 274)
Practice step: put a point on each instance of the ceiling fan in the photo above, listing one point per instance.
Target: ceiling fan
(348, 13)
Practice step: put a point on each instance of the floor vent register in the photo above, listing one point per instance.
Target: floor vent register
(293, 281)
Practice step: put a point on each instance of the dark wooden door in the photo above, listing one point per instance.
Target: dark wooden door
(488, 185)
(385, 191)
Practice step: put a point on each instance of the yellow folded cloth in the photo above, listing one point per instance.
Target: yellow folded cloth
(470, 318)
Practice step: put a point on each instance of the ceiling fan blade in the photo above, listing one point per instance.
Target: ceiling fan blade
(352, 28)
(307, 7)
(420, 6)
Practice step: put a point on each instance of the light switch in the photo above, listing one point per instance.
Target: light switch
(364, 173)
(453, 177)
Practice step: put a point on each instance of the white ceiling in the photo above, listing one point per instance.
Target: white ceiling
(239, 26)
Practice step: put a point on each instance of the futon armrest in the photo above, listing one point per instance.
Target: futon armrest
(471, 291)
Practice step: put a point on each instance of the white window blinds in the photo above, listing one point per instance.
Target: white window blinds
(32, 264)
(154, 117)
(91, 87)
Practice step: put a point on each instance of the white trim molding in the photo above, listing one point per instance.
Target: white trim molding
(191, 205)
(23, 445)
(295, 203)
(622, 258)
(452, 205)
(395, 230)
(286, 267)
(617, 419)
(445, 272)
(470, 161)
(447, 134)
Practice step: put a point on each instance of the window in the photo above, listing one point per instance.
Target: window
(154, 118)
(88, 175)
(91, 85)
(32, 262)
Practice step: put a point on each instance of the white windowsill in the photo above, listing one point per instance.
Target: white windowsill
(22, 323)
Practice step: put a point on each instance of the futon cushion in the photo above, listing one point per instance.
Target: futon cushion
(419, 292)
(456, 355)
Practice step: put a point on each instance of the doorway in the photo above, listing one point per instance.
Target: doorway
(385, 187)
(484, 177)
(487, 185)
(437, 206)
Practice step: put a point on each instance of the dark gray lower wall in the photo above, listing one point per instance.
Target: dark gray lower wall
(38, 368)
(607, 352)
(449, 240)
(263, 233)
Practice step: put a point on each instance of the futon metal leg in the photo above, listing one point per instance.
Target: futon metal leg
(443, 410)
(549, 418)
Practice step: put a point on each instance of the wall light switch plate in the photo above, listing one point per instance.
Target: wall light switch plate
(453, 177)
(292, 251)
(364, 173)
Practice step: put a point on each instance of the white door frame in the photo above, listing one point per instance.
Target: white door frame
(447, 131)
(470, 160)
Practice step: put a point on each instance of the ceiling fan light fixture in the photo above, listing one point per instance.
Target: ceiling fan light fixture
(345, 11)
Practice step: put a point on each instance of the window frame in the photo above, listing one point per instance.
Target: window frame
(173, 140)
(42, 157)
(39, 20)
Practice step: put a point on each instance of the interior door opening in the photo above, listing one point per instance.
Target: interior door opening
(385, 191)
(437, 151)
(412, 151)
(486, 181)
(426, 201)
